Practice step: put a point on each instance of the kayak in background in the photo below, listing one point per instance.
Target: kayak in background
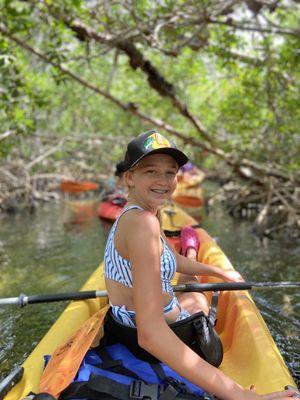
(188, 192)
(109, 210)
(78, 187)
(173, 218)
(188, 196)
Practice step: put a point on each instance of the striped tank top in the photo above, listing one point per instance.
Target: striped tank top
(118, 269)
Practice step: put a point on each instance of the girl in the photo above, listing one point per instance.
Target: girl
(139, 267)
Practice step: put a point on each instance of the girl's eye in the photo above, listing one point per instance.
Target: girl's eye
(150, 171)
(171, 173)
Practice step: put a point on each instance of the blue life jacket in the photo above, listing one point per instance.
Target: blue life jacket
(113, 372)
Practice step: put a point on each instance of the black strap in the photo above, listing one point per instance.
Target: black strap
(140, 390)
(103, 388)
(108, 363)
(174, 389)
(158, 370)
(106, 386)
(79, 390)
(212, 315)
(170, 393)
(176, 233)
(207, 339)
(169, 233)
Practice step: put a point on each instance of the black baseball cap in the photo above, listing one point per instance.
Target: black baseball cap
(151, 142)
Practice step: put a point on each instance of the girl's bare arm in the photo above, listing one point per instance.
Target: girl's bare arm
(190, 267)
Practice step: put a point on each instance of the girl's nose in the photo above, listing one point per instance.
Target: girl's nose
(164, 178)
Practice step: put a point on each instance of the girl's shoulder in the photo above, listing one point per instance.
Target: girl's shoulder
(140, 220)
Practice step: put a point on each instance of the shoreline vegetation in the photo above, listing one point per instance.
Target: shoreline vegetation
(270, 201)
(78, 79)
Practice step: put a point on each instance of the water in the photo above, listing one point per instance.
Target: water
(52, 251)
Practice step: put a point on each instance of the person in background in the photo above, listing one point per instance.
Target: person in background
(115, 187)
(120, 193)
(120, 183)
(139, 267)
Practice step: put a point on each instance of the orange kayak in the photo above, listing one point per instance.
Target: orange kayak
(78, 187)
(109, 210)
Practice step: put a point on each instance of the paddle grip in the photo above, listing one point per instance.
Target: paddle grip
(207, 287)
(47, 298)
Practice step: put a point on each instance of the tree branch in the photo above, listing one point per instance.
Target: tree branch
(42, 157)
(133, 109)
(137, 60)
(7, 134)
(276, 31)
(130, 107)
(257, 62)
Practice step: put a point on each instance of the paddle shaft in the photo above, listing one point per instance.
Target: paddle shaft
(23, 300)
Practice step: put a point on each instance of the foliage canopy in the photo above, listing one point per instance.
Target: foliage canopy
(222, 72)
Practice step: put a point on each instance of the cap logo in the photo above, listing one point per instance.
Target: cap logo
(156, 141)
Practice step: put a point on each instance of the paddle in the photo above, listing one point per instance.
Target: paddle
(23, 300)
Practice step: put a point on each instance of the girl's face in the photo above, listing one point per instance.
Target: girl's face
(153, 180)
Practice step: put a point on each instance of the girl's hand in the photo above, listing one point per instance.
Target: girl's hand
(232, 276)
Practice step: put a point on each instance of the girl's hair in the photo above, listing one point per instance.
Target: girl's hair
(159, 217)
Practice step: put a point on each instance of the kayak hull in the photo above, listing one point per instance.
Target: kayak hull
(250, 354)
(189, 193)
(109, 211)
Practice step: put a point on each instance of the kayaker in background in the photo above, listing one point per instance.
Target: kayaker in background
(115, 187)
(139, 266)
(189, 170)
(121, 188)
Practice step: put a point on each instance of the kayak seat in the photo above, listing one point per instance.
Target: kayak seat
(196, 331)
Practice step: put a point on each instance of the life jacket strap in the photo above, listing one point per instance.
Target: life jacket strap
(178, 386)
(140, 390)
(102, 388)
(212, 314)
(108, 363)
(96, 388)
(173, 386)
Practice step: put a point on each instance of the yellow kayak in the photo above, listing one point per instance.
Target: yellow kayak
(189, 192)
(250, 354)
(173, 218)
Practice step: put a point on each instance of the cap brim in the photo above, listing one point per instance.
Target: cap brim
(178, 156)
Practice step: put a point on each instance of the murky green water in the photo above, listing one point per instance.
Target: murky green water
(52, 251)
